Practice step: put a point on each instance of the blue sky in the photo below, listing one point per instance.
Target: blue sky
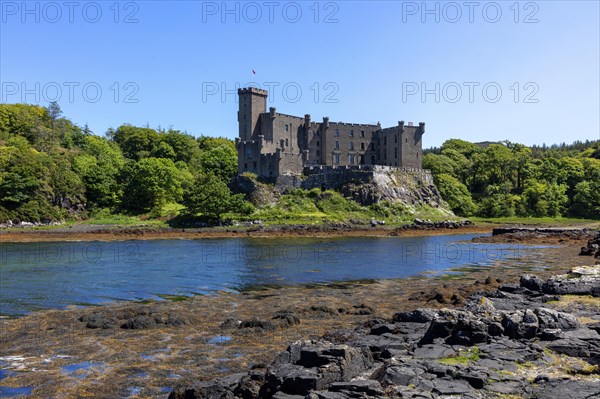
(523, 71)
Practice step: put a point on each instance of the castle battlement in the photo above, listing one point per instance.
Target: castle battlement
(253, 90)
(273, 144)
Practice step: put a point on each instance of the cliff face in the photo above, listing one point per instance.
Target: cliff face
(413, 187)
(366, 185)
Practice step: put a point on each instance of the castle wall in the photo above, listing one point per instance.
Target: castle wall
(412, 152)
(348, 143)
(272, 144)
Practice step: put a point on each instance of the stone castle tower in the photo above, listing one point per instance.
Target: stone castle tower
(271, 144)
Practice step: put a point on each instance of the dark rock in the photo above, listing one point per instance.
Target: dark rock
(257, 323)
(361, 310)
(380, 329)
(139, 323)
(572, 389)
(416, 316)
(552, 319)
(531, 282)
(451, 387)
(98, 320)
(399, 375)
(571, 347)
(287, 319)
(229, 324)
(368, 387)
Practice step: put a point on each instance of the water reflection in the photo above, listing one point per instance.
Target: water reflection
(53, 275)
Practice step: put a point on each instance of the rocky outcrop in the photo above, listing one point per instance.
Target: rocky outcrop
(414, 187)
(592, 248)
(495, 346)
(258, 193)
(366, 185)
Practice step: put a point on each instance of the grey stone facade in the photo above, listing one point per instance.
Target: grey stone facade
(271, 144)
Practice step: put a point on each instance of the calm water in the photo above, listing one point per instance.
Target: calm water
(37, 276)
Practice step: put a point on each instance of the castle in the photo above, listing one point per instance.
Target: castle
(272, 145)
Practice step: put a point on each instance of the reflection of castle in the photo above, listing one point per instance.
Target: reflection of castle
(271, 144)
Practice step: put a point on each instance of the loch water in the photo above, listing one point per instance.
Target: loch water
(37, 276)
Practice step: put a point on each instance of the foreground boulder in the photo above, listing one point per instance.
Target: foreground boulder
(495, 346)
(592, 248)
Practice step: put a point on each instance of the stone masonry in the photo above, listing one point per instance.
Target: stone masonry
(273, 145)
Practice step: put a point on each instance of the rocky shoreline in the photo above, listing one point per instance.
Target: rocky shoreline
(86, 232)
(505, 343)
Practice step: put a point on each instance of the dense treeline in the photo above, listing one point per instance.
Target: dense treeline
(51, 169)
(508, 179)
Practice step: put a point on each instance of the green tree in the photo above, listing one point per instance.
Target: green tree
(586, 199)
(456, 195)
(136, 142)
(150, 183)
(220, 160)
(439, 164)
(211, 197)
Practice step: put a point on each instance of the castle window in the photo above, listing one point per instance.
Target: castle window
(351, 159)
(318, 153)
(337, 145)
(351, 145)
(286, 142)
(249, 153)
(336, 158)
(372, 159)
(406, 140)
(254, 165)
(372, 134)
(362, 134)
(395, 139)
(362, 146)
(244, 116)
(245, 166)
(373, 146)
(318, 144)
(337, 132)
(395, 152)
(385, 140)
(351, 133)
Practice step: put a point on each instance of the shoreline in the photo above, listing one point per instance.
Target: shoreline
(115, 233)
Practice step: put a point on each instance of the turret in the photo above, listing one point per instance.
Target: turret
(252, 103)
